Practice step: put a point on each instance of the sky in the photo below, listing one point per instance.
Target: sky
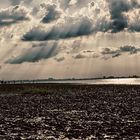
(69, 38)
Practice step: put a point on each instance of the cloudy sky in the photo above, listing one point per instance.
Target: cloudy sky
(69, 38)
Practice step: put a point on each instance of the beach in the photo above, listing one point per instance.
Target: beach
(69, 111)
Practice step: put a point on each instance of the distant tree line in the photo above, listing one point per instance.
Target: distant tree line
(7, 82)
(2, 82)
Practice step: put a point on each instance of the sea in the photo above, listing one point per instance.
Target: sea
(125, 81)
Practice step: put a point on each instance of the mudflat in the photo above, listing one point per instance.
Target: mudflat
(68, 111)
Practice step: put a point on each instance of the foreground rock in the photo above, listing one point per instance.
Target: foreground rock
(69, 112)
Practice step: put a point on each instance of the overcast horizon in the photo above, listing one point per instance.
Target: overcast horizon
(69, 38)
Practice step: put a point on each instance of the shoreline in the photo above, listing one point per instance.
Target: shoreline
(109, 81)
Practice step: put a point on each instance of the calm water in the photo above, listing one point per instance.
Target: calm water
(131, 81)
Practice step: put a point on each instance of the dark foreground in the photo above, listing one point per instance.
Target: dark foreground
(58, 111)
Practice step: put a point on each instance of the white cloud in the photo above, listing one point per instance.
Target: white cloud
(86, 54)
(13, 14)
(133, 19)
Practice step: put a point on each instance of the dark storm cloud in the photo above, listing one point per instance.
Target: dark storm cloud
(116, 55)
(75, 29)
(79, 56)
(120, 51)
(7, 23)
(85, 25)
(135, 27)
(117, 8)
(110, 52)
(35, 54)
(130, 49)
(12, 15)
(52, 13)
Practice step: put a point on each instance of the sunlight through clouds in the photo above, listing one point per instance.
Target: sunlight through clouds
(58, 37)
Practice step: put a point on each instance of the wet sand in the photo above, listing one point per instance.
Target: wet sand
(66, 111)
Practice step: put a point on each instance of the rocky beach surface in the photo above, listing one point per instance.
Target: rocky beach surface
(67, 111)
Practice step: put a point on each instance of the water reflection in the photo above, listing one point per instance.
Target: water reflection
(130, 81)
